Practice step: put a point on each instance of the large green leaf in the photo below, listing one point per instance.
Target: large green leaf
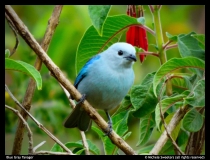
(143, 98)
(56, 148)
(201, 39)
(192, 121)
(92, 147)
(98, 14)
(174, 64)
(25, 68)
(125, 105)
(181, 82)
(175, 132)
(147, 124)
(92, 43)
(197, 98)
(166, 104)
(190, 46)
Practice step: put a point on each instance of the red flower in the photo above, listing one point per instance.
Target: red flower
(135, 35)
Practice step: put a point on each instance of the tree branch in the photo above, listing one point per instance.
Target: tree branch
(164, 123)
(171, 126)
(26, 35)
(30, 148)
(15, 33)
(37, 122)
(52, 24)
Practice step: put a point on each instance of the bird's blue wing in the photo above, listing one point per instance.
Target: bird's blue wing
(84, 71)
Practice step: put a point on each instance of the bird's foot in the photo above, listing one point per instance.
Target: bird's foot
(108, 129)
(82, 99)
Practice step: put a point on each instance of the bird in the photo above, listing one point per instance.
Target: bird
(103, 81)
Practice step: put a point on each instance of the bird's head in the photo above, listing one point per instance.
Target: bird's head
(121, 54)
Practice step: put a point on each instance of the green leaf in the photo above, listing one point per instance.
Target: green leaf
(174, 64)
(175, 132)
(141, 20)
(168, 149)
(24, 68)
(181, 82)
(80, 151)
(166, 104)
(143, 98)
(182, 138)
(146, 127)
(98, 131)
(120, 127)
(192, 121)
(7, 53)
(171, 37)
(126, 135)
(125, 105)
(120, 121)
(92, 43)
(190, 46)
(92, 147)
(56, 148)
(201, 39)
(98, 15)
(197, 99)
(145, 149)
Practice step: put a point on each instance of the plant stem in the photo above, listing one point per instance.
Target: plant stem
(160, 43)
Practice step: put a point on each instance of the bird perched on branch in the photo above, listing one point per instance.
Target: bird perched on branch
(103, 81)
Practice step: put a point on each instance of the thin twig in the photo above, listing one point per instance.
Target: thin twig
(171, 46)
(72, 103)
(51, 153)
(159, 6)
(30, 148)
(166, 44)
(149, 53)
(164, 123)
(151, 8)
(39, 124)
(54, 69)
(52, 24)
(38, 145)
(11, 25)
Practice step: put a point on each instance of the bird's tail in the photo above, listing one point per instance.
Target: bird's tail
(78, 118)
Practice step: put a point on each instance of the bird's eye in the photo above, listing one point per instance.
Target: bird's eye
(120, 52)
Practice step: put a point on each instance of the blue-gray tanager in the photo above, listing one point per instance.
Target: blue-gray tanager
(104, 81)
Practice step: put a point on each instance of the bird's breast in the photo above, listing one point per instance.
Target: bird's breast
(106, 89)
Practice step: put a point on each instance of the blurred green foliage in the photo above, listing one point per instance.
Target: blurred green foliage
(50, 105)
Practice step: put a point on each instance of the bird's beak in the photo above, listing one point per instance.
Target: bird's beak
(131, 57)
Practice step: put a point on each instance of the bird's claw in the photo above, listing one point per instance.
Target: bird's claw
(108, 129)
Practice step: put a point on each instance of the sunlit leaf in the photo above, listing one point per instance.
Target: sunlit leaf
(25, 68)
(197, 98)
(125, 105)
(56, 148)
(192, 121)
(174, 64)
(143, 98)
(189, 46)
(92, 147)
(166, 104)
(171, 37)
(146, 149)
(98, 15)
(201, 39)
(7, 53)
(92, 43)
(147, 124)
(175, 132)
